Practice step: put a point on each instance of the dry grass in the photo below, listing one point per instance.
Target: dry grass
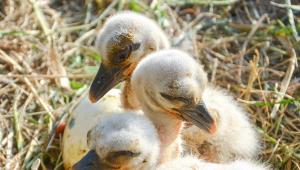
(47, 62)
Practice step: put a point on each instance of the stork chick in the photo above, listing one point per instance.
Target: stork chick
(120, 57)
(128, 141)
(125, 141)
(123, 41)
(171, 87)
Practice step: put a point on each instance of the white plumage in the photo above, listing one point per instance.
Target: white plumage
(124, 40)
(122, 26)
(177, 74)
(127, 141)
(137, 28)
(222, 147)
(192, 163)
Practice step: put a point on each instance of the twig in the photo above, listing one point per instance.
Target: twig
(34, 142)
(8, 59)
(42, 19)
(47, 76)
(254, 73)
(24, 62)
(216, 54)
(20, 69)
(9, 149)
(105, 12)
(89, 8)
(246, 42)
(204, 2)
(188, 28)
(252, 32)
(293, 7)
(56, 67)
(42, 102)
(18, 121)
(292, 21)
(93, 23)
(286, 81)
(85, 36)
(276, 147)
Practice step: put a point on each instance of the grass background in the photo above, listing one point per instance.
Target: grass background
(47, 61)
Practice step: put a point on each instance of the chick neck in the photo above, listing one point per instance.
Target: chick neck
(168, 127)
(128, 98)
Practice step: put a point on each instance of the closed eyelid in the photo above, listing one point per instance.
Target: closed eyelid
(175, 98)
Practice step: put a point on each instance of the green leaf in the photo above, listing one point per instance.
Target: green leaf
(76, 85)
(12, 33)
(76, 61)
(134, 6)
(91, 53)
(261, 104)
(33, 121)
(96, 57)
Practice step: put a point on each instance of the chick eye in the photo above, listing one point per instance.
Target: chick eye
(135, 46)
(175, 98)
(125, 53)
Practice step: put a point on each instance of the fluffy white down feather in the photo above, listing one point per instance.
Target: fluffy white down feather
(192, 163)
(127, 131)
(142, 29)
(235, 137)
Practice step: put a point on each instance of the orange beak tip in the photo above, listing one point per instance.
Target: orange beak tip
(213, 128)
(92, 99)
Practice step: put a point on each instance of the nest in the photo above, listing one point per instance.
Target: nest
(47, 61)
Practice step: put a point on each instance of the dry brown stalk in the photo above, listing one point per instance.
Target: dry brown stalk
(286, 80)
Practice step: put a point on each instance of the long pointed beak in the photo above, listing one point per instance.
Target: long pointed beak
(200, 117)
(106, 78)
(89, 162)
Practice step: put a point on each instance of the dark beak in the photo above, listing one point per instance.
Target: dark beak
(199, 116)
(105, 80)
(89, 162)
(121, 157)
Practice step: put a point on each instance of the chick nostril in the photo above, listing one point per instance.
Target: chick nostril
(100, 79)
